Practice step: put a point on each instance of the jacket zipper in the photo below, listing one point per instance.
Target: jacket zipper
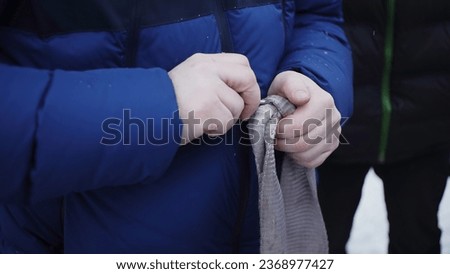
(386, 104)
(133, 37)
(223, 26)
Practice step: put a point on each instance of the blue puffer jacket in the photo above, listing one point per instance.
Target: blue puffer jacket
(66, 66)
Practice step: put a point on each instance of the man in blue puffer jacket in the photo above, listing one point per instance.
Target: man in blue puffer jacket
(98, 147)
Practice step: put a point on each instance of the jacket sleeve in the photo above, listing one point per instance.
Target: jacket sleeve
(64, 132)
(318, 48)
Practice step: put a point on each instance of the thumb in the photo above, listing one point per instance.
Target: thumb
(291, 86)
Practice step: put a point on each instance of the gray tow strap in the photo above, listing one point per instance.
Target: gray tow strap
(290, 216)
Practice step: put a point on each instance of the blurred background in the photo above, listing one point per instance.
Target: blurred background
(370, 228)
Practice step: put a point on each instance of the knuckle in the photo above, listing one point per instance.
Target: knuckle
(227, 122)
(334, 145)
(243, 60)
(337, 116)
(199, 65)
(250, 78)
(197, 56)
(330, 146)
(240, 106)
(327, 100)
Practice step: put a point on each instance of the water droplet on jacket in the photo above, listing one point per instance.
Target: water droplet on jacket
(374, 32)
(325, 52)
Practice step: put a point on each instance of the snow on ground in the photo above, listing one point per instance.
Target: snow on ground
(370, 227)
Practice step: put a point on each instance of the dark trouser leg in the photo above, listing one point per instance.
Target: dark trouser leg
(339, 190)
(413, 190)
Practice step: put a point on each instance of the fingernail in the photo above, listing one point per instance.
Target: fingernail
(301, 95)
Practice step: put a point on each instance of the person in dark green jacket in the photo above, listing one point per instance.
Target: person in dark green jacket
(401, 122)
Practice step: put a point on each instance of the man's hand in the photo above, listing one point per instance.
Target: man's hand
(307, 134)
(213, 91)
